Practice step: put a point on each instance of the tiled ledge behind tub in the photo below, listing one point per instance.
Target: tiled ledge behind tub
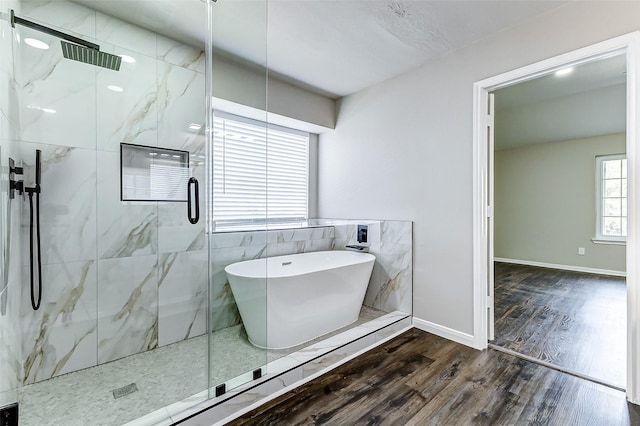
(391, 241)
(232, 247)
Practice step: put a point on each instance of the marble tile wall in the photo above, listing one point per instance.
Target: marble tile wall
(118, 277)
(391, 241)
(10, 272)
(391, 285)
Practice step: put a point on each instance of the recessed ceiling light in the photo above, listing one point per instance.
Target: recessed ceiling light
(128, 59)
(115, 88)
(564, 71)
(38, 44)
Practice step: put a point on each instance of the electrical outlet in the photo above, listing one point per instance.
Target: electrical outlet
(581, 251)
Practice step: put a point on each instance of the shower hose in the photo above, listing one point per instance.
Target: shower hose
(35, 304)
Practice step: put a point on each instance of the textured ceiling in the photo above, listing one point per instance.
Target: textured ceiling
(334, 47)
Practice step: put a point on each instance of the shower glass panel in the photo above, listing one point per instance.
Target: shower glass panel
(238, 193)
(10, 286)
(121, 331)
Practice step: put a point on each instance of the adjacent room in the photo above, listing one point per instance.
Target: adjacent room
(560, 219)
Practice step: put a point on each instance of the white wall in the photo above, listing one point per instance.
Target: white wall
(247, 86)
(545, 203)
(403, 149)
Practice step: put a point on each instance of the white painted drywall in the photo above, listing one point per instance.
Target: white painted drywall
(545, 203)
(247, 86)
(403, 149)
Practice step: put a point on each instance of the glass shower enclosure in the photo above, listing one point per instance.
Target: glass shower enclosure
(131, 283)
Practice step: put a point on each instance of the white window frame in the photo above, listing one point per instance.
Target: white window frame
(600, 238)
(259, 224)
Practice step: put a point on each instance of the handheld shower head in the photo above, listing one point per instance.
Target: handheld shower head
(38, 167)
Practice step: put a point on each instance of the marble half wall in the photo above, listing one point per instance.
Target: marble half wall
(391, 241)
(391, 284)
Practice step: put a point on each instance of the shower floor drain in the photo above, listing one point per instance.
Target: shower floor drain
(124, 391)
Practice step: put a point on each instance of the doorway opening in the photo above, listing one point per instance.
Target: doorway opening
(559, 197)
(485, 213)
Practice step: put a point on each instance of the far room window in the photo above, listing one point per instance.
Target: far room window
(611, 174)
(260, 174)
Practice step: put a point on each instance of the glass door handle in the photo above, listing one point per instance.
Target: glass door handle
(193, 218)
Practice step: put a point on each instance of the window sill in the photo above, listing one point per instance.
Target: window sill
(220, 229)
(609, 242)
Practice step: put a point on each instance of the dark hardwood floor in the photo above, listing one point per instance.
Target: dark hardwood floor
(421, 379)
(571, 319)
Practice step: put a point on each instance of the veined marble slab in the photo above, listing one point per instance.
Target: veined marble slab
(60, 337)
(127, 306)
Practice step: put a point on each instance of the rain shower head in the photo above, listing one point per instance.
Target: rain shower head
(90, 56)
(78, 49)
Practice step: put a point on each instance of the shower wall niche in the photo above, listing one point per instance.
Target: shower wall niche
(119, 277)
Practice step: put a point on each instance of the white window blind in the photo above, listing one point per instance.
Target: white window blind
(260, 173)
(611, 174)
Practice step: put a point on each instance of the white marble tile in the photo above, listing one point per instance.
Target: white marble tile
(322, 233)
(181, 107)
(160, 417)
(178, 408)
(61, 336)
(124, 228)
(117, 32)
(127, 103)
(281, 365)
(318, 245)
(177, 53)
(392, 329)
(238, 239)
(396, 233)
(182, 294)
(391, 284)
(175, 232)
(11, 289)
(67, 202)
(58, 98)
(66, 16)
(127, 306)
(282, 249)
(337, 355)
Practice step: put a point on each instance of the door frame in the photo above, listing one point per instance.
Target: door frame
(482, 188)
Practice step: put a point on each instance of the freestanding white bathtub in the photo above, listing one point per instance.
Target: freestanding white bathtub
(307, 295)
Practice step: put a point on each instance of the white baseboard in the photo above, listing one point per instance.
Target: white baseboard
(563, 267)
(446, 332)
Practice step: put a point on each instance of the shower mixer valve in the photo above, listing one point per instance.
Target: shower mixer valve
(14, 184)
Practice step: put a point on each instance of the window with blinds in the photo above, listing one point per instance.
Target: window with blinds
(260, 173)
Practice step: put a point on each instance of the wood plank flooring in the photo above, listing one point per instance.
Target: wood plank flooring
(421, 379)
(570, 319)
